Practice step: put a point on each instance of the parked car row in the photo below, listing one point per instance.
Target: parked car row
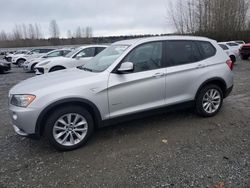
(232, 48)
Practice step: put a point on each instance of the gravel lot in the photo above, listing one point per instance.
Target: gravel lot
(177, 149)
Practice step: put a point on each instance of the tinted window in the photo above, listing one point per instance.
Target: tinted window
(146, 57)
(182, 52)
(99, 49)
(87, 52)
(232, 44)
(224, 47)
(207, 49)
(65, 52)
(54, 54)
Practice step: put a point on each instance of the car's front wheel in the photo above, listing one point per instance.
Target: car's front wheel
(69, 127)
(20, 62)
(209, 101)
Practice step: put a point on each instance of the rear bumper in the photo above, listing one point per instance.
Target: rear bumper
(228, 91)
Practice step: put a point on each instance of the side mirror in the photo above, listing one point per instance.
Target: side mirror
(126, 67)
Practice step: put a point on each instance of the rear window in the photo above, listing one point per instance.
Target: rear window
(207, 49)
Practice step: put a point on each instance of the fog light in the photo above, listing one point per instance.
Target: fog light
(14, 116)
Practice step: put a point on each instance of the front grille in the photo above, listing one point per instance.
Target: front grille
(9, 59)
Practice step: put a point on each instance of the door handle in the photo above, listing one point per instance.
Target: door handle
(158, 75)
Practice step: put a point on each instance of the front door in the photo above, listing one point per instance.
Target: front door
(144, 87)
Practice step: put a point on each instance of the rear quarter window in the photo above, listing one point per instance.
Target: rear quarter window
(207, 49)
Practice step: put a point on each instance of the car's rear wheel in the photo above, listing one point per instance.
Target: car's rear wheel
(209, 101)
(57, 68)
(69, 127)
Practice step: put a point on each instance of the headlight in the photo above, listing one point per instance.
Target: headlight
(45, 63)
(22, 100)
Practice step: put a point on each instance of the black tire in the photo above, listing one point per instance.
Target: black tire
(32, 67)
(233, 58)
(199, 100)
(57, 68)
(20, 62)
(59, 113)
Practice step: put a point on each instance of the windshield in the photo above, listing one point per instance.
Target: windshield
(104, 59)
(70, 54)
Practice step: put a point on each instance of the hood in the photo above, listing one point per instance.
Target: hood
(55, 59)
(52, 80)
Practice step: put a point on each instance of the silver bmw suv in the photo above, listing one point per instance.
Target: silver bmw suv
(127, 79)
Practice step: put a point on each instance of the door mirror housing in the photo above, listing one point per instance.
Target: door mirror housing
(125, 67)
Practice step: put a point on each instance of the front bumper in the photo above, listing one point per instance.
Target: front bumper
(23, 120)
(39, 70)
(228, 91)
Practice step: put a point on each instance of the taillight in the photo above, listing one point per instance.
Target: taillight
(230, 64)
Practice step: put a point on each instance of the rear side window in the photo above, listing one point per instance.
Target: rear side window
(207, 49)
(182, 52)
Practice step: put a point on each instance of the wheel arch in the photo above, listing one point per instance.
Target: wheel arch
(216, 81)
(21, 58)
(88, 105)
(59, 66)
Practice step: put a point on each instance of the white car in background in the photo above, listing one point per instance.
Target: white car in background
(19, 59)
(30, 64)
(77, 57)
(239, 42)
(9, 56)
(232, 51)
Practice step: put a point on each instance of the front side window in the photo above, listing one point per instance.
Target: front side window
(146, 57)
(182, 52)
(87, 52)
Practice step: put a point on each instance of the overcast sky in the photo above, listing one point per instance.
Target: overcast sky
(106, 17)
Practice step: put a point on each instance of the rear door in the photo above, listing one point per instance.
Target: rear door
(185, 66)
(141, 89)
